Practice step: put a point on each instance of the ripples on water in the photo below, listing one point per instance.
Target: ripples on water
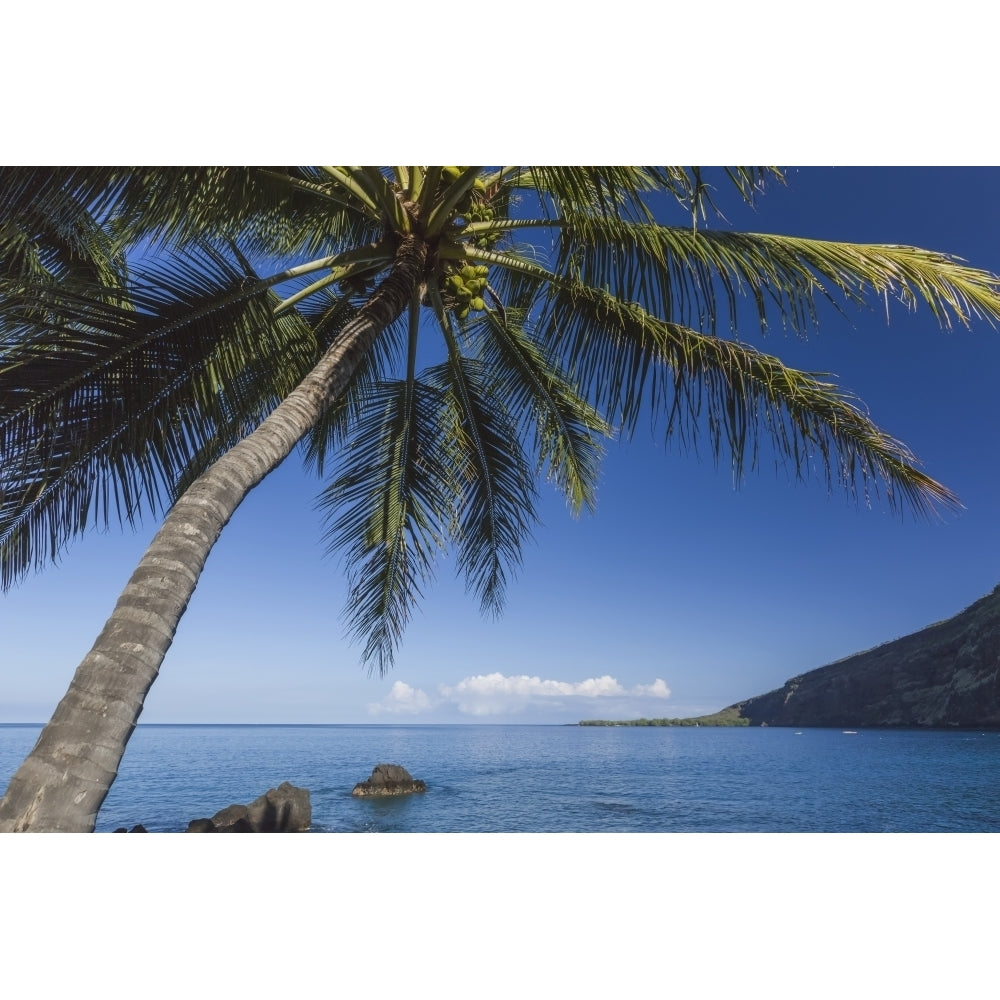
(562, 778)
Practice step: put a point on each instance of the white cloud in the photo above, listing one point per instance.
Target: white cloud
(402, 700)
(658, 689)
(496, 693)
(532, 687)
(501, 694)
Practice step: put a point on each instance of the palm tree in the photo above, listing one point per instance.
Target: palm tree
(437, 338)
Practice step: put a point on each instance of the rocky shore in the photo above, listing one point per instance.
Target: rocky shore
(285, 809)
(288, 809)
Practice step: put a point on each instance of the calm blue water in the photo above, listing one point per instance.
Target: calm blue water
(562, 778)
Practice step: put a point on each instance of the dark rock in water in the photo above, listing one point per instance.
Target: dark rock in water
(138, 828)
(285, 809)
(389, 779)
(225, 819)
(242, 824)
(947, 674)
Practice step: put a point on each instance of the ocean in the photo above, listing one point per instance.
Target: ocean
(561, 779)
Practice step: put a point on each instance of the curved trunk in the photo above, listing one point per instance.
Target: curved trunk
(64, 780)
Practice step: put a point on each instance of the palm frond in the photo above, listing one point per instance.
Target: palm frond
(175, 205)
(629, 193)
(248, 397)
(693, 187)
(631, 362)
(104, 408)
(946, 284)
(50, 240)
(497, 491)
(565, 427)
(620, 192)
(273, 210)
(681, 275)
(388, 510)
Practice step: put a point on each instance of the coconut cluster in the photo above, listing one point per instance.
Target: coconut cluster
(465, 288)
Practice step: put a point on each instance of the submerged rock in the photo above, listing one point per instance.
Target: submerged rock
(285, 809)
(389, 779)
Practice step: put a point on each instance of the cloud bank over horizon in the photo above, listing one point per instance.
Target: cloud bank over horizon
(402, 700)
(498, 694)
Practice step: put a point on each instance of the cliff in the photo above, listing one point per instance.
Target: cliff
(943, 675)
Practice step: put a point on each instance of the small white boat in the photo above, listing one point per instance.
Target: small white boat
(850, 732)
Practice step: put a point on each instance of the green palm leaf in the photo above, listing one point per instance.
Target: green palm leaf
(629, 359)
(104, 409)
(497, 494)
(387, 509)
(566, 429)
(678, 273)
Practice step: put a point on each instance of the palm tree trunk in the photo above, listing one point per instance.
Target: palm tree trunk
(66, 777)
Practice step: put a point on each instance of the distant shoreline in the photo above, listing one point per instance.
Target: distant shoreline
(727, 717)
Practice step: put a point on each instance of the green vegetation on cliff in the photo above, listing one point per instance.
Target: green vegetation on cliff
(727, 717)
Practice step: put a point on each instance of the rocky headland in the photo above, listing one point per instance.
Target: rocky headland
(945, 675)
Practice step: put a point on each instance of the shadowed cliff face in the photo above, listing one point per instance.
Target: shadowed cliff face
(947, 674)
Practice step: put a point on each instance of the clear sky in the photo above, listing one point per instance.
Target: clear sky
(680, 596)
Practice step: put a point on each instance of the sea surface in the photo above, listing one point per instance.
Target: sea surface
(570, 779)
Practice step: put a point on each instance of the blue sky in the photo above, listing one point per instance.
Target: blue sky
(680, 596)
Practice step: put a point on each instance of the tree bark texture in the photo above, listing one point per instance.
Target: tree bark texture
(64, 780)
